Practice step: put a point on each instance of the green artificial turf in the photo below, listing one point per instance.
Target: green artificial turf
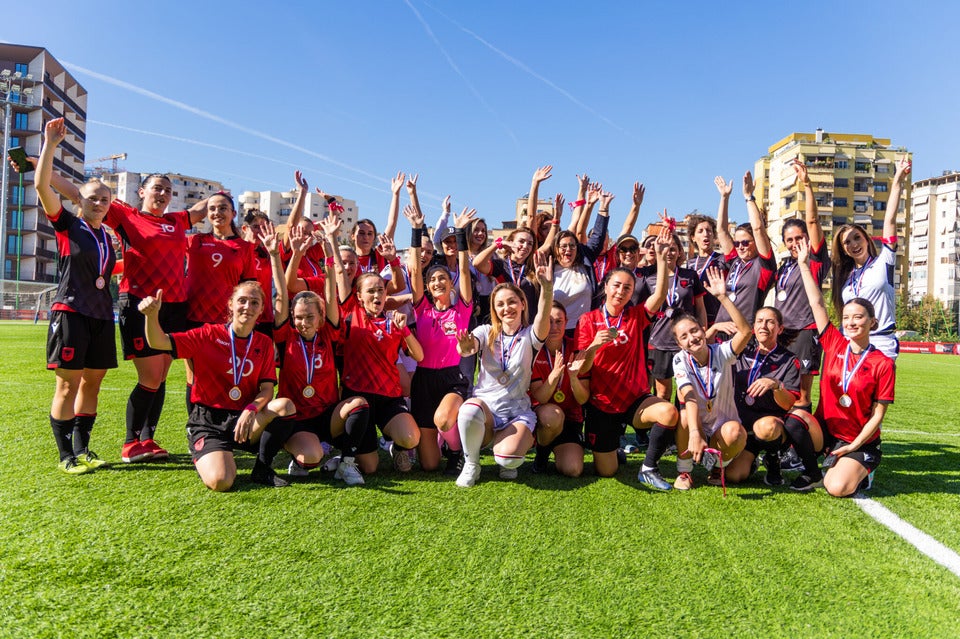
(145, 550)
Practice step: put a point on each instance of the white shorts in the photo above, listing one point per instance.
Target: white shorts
(527, 418)
(711, 428)
(889, 345)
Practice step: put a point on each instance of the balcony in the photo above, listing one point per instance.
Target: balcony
(44, 254)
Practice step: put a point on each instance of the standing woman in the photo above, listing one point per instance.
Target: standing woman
(615, 355)
(791, 299)
(708, 414)
(856, 385)
(80, 341)
(233, 403)
(254, 224)
(439, 386)
(559, 392)
(518, 268)
(868, 275)
(702, 231)
(216, 262)
(684, 295)
(749, 256)
(500, 411)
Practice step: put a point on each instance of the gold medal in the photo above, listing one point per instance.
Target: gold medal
(308, 391)
(235, 393)
(101, 282)
(559, 396)
(709, 406)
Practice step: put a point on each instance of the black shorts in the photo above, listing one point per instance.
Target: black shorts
(756, 446)
(807, 348)
(211, 429)
(572, 433)
(75, 342)
(428, 388)
(319, 425)
(604, 430)
(661, 363)
(382, 410)
(173, 318)
(869, 455)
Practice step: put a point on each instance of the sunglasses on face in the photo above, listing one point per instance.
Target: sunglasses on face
(629, 249)
(741, 243)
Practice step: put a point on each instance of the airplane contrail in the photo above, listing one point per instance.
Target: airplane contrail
(526, 69)
(453, 65)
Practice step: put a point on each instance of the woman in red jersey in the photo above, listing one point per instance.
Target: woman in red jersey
(235, 375)
(80, 342)
(856, 386)
(616, 357)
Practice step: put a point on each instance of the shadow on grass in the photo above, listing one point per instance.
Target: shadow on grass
(173, 462)
(917, 468)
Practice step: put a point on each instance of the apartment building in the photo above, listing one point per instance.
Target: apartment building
(934, 248)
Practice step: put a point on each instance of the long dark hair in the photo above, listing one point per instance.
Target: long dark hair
(841, 264)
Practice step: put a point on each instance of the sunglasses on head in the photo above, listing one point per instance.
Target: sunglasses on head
(741, 243)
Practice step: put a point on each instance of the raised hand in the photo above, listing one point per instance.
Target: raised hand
(55, 131)
(606, 197)
(638, 192)
(543, 173)
(558, 367)
(583, 181)
(268, 237)
(446, 204)
(397, 183)
(716, 282)
(300, 241)
(558, 205)
(466, 216)
(150, 305)
(664, 239)
(801, 170)
(331, 226)
(465, 342)
(725, 188)
(413, 216)
(803, 250)
(399, 320)
(301, 181)
(543, 266)
(749, 186)
(904, 166)
(412, 183)
(323, 194)
(386, 247)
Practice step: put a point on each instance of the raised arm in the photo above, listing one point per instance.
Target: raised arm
(297, 213)
(299, 243)
(482, 260)
(463, 253)
(893, 202)
(415, 218)
(540, 175)
(757, 221)
(814, 230)
(441, 221)
(396, 184)
(593, 196)
(717, 286)
(388, 250)
(655, 301)
(814, 295)
(54, 133)
(547, 247)
(577, 206)
(150, 308)
(544, 267)
(638, 192)
(336, 279)
(723, 215)
(281, 305)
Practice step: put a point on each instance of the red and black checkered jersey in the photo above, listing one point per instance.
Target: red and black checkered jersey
(293, 369)
(214, 267)
(213, 371)
(370, 349)
(873, 381)
(796, 309)
(572, 410)
(619, 373)
(154, 250)
(85, 255)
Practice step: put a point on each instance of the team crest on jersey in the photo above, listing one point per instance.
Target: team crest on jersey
(138, 343)
(66, 353)
(449, 327)
(198, 445)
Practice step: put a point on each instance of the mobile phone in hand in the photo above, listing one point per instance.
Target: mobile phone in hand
(19, 157)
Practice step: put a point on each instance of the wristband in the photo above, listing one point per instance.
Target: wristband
(750, 199)
(555, 221)
(330, 262)
(416, 237)
(889, 240)
(331, 200)
(498, 242)
(395, 262)
(461, 235)
(252, 407)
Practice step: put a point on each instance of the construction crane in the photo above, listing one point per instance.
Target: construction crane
(114, 159)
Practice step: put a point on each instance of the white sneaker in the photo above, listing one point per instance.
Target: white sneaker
(469, 475)
(332, 464)
(349, 473)
(296, 470)
(401, 460)
(508, 473)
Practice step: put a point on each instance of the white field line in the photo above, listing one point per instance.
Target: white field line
(920, 432)
(911, 534)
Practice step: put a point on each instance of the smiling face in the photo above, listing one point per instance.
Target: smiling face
(220, 213)
(767, 328)
(857, 323)
(156, 194)
(479, 234)
(629, 254)
(349, 259)
(566, 251)
(245, 305)
(439, 284)
(790, 236)
(372, 293)
(509, 307)
(364, 236)
(523, 246)
(558, 325)
(854, 243)
(426, 251)
(94, 201)
(690, 336)
(649, 252)
(746, 247)
(619, 290)
(308, 317)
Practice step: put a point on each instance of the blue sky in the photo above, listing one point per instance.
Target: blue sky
(670, 94)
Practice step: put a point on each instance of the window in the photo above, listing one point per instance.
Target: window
(21, 121)
(841, 183)
(841, 164)
(883, 168)
(880, 187)
(16, 195)
(21, 68)
(861, 167)
(15, 221)
(13, 244)
(879, 206)
(14, 141)
(840, 201)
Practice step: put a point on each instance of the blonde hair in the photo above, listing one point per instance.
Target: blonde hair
(496, 325)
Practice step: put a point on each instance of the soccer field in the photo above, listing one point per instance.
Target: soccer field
(144, 550)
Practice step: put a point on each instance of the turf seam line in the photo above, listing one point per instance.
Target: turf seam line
(920, 432)
(911, 534)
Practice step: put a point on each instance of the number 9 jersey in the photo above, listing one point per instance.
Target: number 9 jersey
(214, 267)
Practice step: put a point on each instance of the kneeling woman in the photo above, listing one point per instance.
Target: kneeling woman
(856, 385)
(560, 394)
(766, 384)
(234, 376)
(500, 410)
(708, 414)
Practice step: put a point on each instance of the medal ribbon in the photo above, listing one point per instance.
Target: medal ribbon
(237, 374)
(738, 271)
(673, 293)
(313, 357)
(788, 267)
(550, 362)
(606, 319)
(855, 280)
(700, 271)
(103, 250)
(757, 366)
(707, 387)
(505, 354)
(513, 276)
(847, 377)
